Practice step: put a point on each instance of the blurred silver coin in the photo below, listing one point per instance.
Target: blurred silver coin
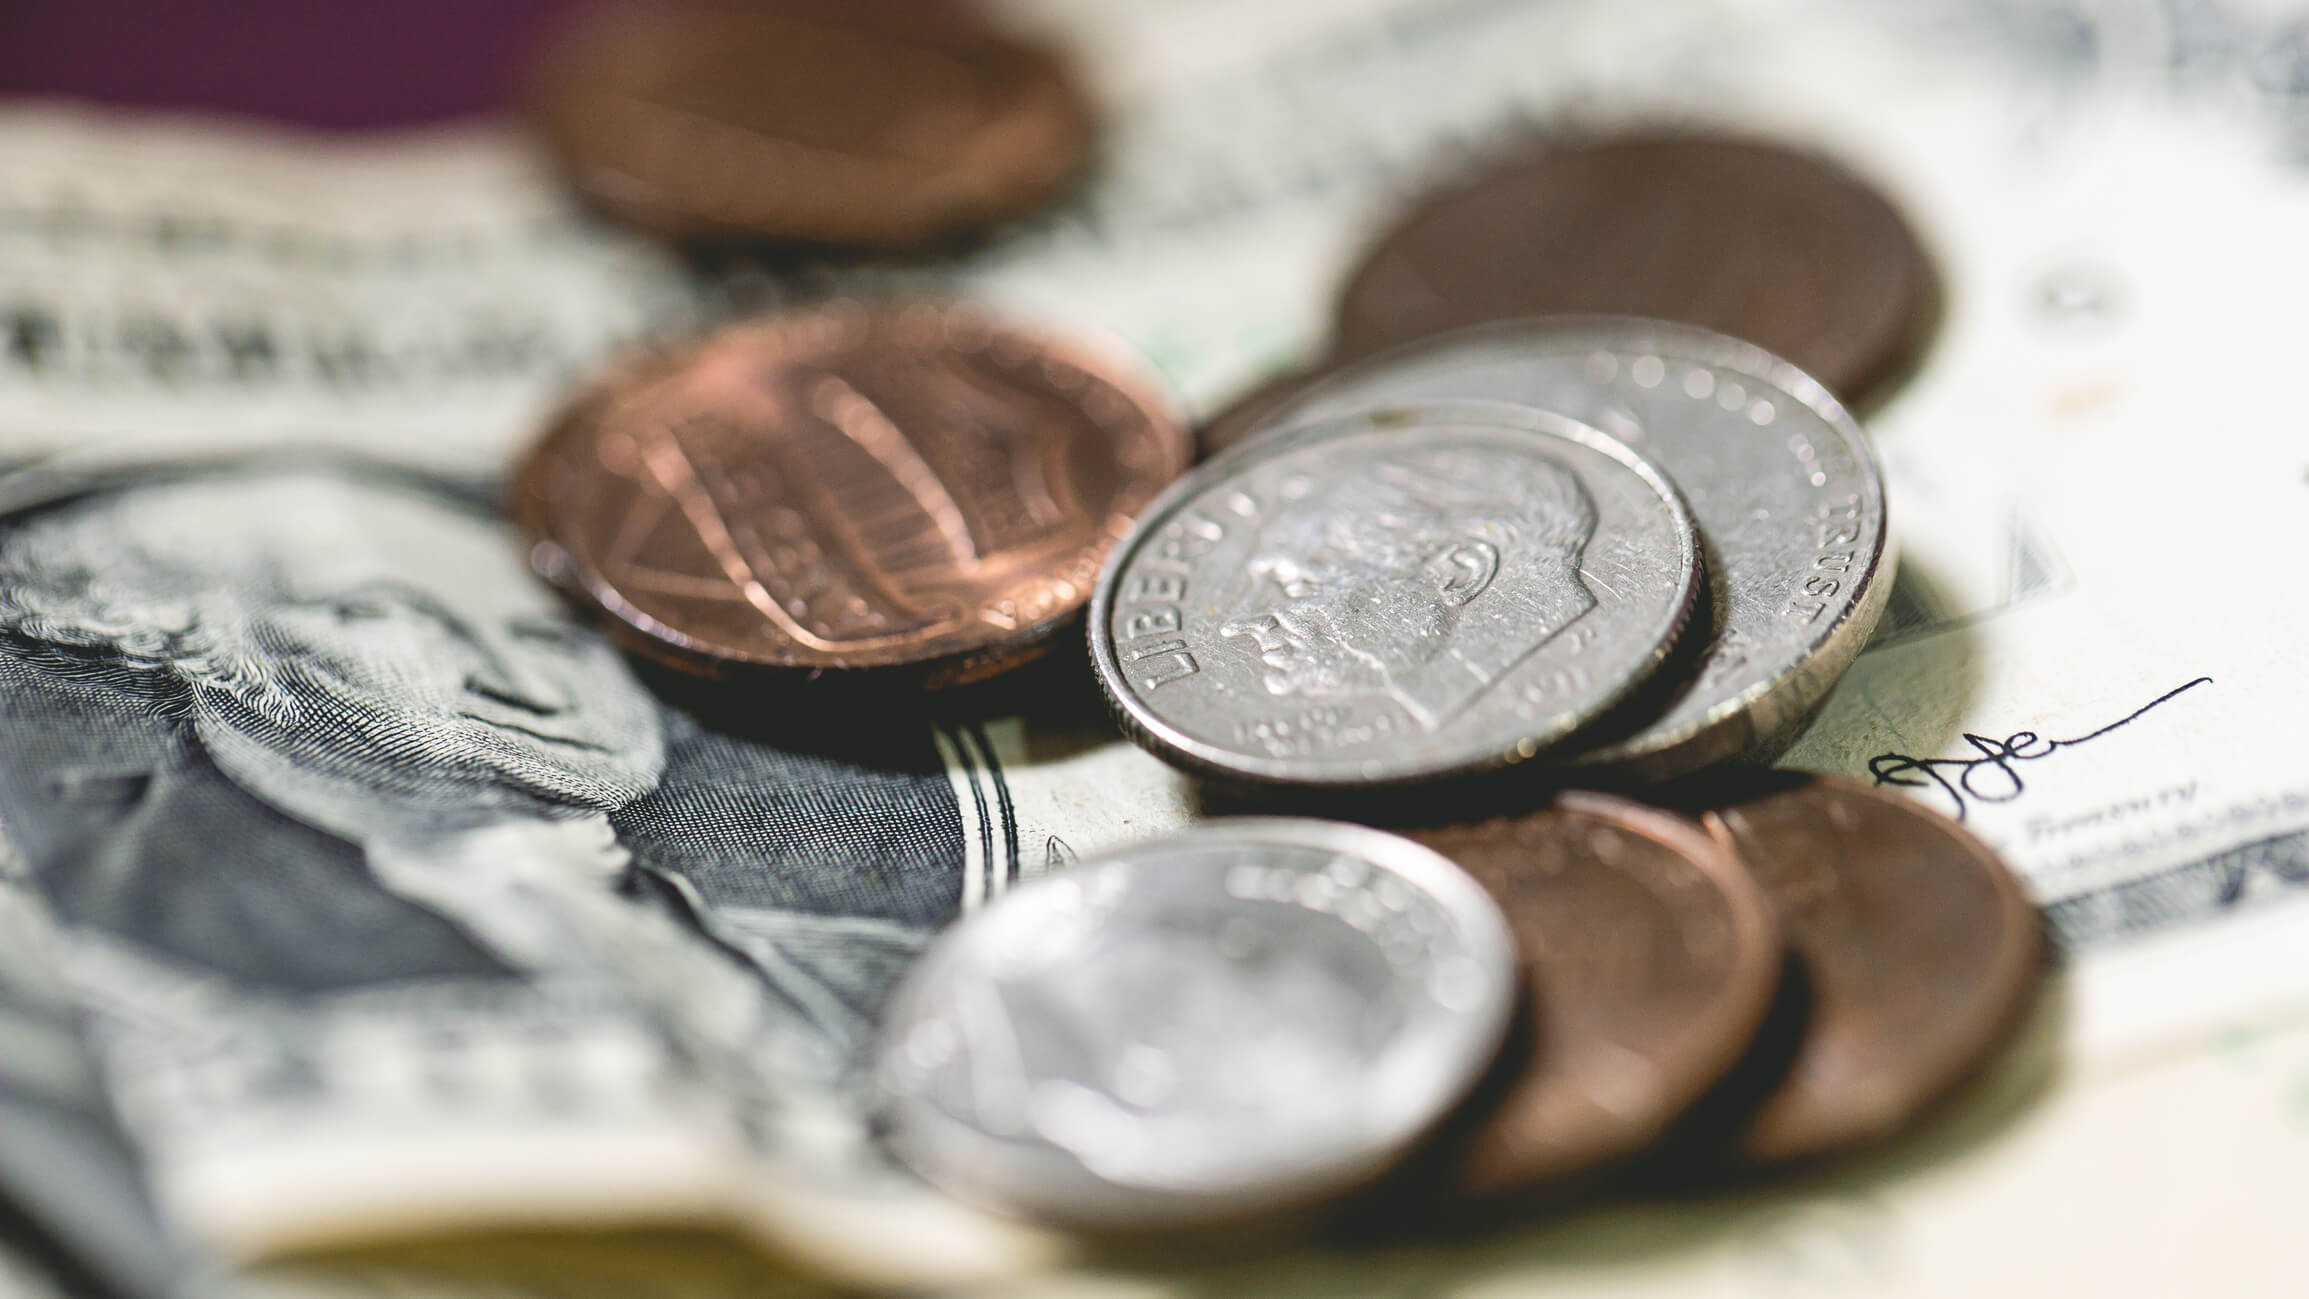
(1393, 596)
(1249, 1016)
(1787, 495)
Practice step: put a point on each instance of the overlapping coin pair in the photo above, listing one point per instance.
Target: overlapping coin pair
(1265, 1014)
(1529, 552)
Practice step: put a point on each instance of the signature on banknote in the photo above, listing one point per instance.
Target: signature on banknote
(1991, 774)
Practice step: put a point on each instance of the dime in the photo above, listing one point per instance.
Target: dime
(1918, 947)
(1249, 1016)
(846, 488)
(1781, 483)
(877, 124)
(1649, 958)
(1782, 248)
(1393, 596)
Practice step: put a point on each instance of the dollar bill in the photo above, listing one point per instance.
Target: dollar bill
(74, 1210)
(391, 900)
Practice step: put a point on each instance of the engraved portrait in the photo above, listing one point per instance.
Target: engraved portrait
(1424, 574)
(312, 730)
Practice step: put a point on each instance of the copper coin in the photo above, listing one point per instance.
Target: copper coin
(1650, 958)
(1784, 249)
(1917, 946)
(830, 121)
(848, 488)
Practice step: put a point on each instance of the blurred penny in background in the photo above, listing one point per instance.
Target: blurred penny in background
(1649, 958)
(847, 488)
(1916, 946)
(1781, 248)
(865, 123)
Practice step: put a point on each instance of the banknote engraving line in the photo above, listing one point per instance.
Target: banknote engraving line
(2192, 892)
(1003, 866)
(977, 845)
(1995, 759)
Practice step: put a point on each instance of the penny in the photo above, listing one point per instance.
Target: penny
(876, 124)
(1782, 248)
(1248, 1016)
(1649, 959)
(1782, 485)
(848, 488)
(1393, 596)
(1917, 945)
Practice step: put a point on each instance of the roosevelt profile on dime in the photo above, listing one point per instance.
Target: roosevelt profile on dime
(1424, 575)
(1393, 595)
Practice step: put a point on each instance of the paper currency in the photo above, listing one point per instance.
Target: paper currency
(76, 1212)
(2092, 475)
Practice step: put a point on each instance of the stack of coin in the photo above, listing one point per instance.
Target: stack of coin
(1368, 581)
(913, 491)
(1478, 558)
(1261, 1015)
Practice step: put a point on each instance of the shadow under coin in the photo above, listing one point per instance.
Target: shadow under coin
(1908, 692)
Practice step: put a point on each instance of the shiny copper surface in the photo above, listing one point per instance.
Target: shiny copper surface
(847, 488)
(1650, 958)
(1916, 944)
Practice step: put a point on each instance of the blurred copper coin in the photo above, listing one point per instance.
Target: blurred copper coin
(1917, 945)
(845, 488)
(1649, 957)
(1780, 248)
(828, 121)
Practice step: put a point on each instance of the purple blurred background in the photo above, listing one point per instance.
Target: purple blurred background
(327, 63)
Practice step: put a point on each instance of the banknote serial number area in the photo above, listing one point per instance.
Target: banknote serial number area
(1838, 550)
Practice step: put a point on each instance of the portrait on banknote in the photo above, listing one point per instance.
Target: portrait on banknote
(313, 730)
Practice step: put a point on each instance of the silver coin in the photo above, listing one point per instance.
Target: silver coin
(1253, 1015)
(1393, 596)
(1783, 485)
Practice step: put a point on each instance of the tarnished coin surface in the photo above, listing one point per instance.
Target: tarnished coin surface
(1782, 485)
(1251, 1015)
(1649, 958)
(866, 122)
(1393, 596)
(846, 488)
(1782, 248)
(1917, 945)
